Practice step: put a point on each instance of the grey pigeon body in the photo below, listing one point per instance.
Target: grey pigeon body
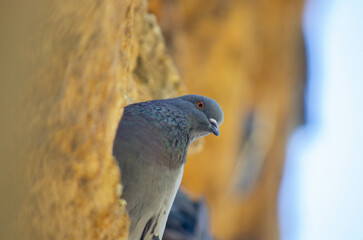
(150, 147)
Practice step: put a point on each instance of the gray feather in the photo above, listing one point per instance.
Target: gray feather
(150, 147)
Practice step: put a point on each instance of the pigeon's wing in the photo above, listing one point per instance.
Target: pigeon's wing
(188, 219)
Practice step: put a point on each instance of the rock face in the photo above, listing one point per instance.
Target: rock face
(80, 62)
(249, 56)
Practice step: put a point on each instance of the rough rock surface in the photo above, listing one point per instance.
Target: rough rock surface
(79, 63)
(249, 56)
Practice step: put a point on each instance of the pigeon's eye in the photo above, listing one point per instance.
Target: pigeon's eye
(200, 105)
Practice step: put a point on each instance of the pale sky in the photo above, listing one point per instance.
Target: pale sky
(321, 196)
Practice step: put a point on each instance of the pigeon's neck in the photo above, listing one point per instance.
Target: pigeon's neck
(168, 125)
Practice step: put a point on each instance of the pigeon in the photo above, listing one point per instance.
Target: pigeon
(150, 147)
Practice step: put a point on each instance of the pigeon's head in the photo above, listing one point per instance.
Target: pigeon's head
(204, 115)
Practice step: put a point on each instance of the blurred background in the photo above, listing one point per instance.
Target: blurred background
(282, 93)
(250, 57)
(287, 75)
(320, 195)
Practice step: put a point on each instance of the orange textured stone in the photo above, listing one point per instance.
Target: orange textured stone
(78, 63)
(249, 56)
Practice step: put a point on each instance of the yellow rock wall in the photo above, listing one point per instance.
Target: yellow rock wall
(68, 69)
(249, 56)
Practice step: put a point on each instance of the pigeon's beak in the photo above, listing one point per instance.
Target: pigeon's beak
(214, 126)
